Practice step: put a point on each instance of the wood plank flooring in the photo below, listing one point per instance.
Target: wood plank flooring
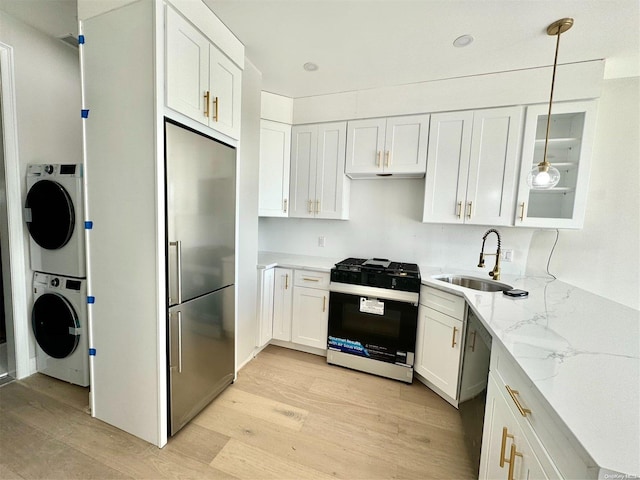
(288, 416)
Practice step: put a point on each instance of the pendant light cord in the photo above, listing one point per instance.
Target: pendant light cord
(553, 82)
(551, 254)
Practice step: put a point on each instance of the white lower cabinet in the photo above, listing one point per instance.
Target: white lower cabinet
(438, 350)
(310, 317)
(282, 303)
(439, 341)
(294, 308)
(265, 306)
(506, 453)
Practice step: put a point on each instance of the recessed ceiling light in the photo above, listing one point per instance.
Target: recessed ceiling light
(463, 41)
(310, 67)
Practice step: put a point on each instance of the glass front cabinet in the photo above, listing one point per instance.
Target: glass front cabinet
(570, 141)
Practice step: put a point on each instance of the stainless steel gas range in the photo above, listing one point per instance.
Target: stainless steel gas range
(373, 316)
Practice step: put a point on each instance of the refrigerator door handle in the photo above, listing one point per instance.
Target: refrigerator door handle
(179, 341)
(178, 274)
(172, 338)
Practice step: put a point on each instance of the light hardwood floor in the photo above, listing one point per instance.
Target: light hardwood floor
(288, 416)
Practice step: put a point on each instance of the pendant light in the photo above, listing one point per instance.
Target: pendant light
(544, 176)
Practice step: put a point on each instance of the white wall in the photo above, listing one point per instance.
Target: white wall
(248, 213)
(47, 84)
(385, 221)
(604, 257)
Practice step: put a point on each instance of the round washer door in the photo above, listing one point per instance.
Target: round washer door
(52, 214)
(55, 325)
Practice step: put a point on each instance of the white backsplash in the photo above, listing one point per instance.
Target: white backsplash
(386, 221)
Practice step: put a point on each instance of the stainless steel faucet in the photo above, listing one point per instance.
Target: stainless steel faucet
(495, 273)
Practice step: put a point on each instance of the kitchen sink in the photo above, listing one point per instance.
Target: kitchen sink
(474, 283)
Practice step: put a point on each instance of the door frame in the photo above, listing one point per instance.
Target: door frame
(17, 324)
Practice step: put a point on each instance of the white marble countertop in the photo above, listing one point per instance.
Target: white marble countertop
(300, 262)
(580, 350)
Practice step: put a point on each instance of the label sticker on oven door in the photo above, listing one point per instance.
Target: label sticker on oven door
(371, 305)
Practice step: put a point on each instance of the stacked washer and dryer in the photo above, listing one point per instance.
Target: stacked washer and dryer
(54, 213)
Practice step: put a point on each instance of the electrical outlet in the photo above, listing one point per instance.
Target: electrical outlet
(506, 255)
(321, 241)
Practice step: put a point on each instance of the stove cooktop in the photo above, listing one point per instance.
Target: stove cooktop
(382, 265)
(377, 272)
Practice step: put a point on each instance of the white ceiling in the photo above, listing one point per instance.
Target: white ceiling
(361, 44)
(57, 18)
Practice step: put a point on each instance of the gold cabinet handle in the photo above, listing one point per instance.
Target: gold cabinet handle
(216, 101)
(503, 446)
(286, 281)
(512, 460)
(324, 303)
(285, 205)
(473, 344)
(522, 212)
(307, 279)
(379, 160)
(387, 161)
(317, 206)
(513, 393)
(206, 103)
(310, 206)
(470, 207)
(453, 338)
(459, 209)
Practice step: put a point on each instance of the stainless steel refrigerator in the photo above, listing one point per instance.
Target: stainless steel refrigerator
(201, 209)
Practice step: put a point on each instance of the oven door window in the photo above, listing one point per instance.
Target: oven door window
(380, 329)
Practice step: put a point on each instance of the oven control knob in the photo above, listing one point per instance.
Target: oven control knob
(55, 282)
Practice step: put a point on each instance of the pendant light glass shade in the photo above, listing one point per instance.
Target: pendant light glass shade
(544, 176)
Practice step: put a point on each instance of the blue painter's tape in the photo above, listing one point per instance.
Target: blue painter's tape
(92, 352)
(85, 113)
(91, 299)
(88, 225)
(80, 39)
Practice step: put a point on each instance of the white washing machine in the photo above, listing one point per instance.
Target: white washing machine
(54, 213)
(59, 322)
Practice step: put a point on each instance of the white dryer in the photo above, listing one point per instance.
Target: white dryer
(54, 213)
(59, 322)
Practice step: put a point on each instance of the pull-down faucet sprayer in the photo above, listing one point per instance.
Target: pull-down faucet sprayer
(495, 273)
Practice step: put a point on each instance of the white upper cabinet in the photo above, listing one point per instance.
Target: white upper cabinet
(201, 82)
(318, 186)
(570, 139)
(275, 161)
(387, 146)
(471, 166)
(187, 73)
(225, 84)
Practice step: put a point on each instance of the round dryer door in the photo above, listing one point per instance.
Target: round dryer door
(52, 214)
(55, 325)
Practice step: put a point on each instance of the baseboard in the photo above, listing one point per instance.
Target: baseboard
(301, 348)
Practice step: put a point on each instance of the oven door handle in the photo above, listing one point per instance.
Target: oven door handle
(374, 292)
